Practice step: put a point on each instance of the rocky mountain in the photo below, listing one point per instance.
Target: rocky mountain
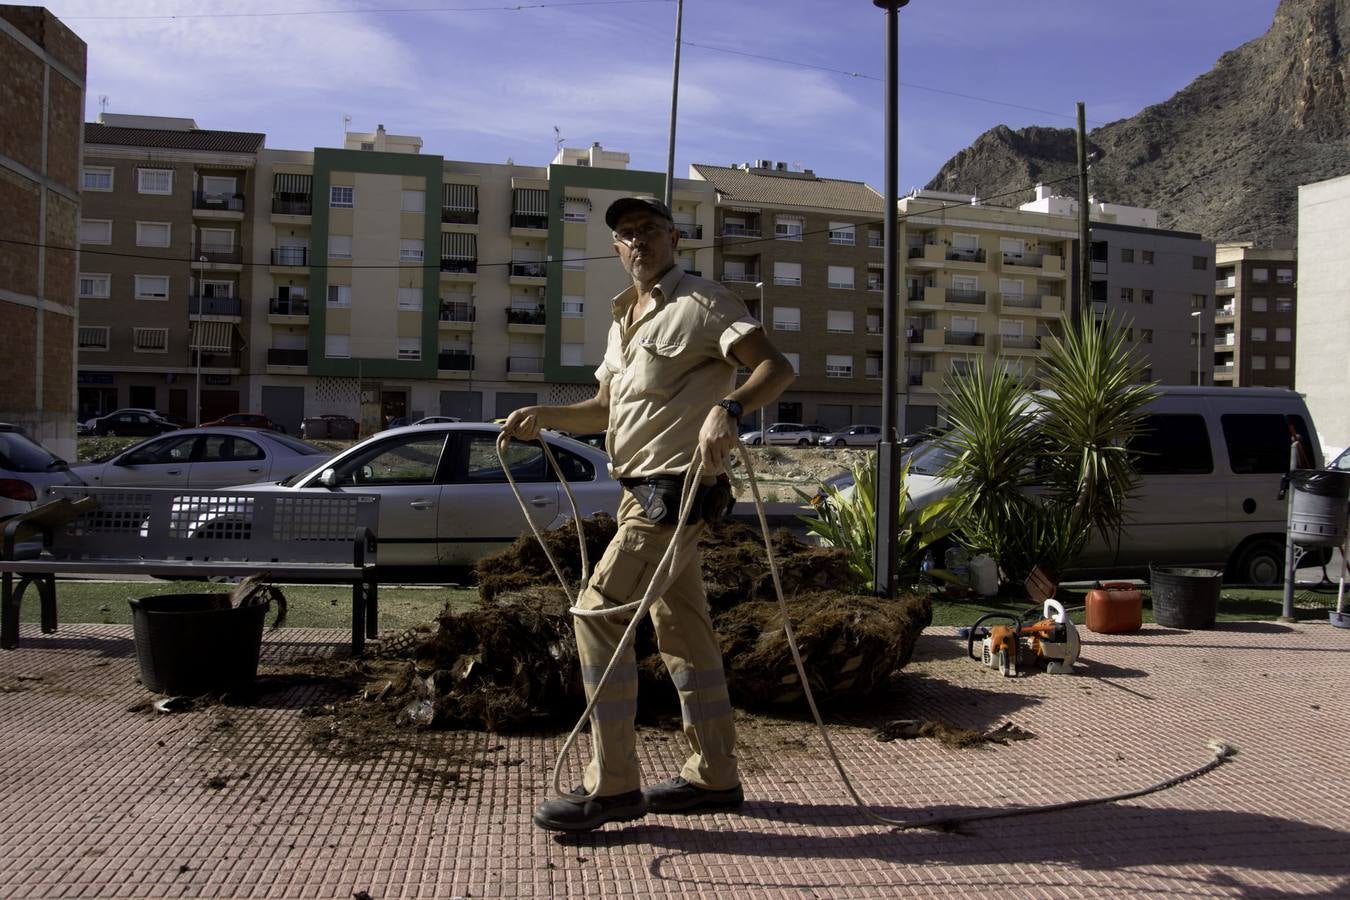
(1224, 156)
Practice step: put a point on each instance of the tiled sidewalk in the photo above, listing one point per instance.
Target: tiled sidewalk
(102, 802)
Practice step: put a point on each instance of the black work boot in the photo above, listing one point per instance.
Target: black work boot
(679, 795)
(573, 812)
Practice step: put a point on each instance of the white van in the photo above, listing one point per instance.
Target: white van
(1210, 464)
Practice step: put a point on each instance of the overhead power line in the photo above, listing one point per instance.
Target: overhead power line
(514, 7)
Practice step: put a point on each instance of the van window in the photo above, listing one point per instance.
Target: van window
(1172, 445)
(1259, 442)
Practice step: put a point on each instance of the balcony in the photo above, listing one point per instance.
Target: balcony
(524, 368)
(689, 232)
(915, 379)
(457, 311)
(969, 256)
(227, 254)
(282, 207)
(529, 269)
(457, 216)
(913, 335)
(1020, 301)
(525, 316)
(745, 231)
(290, 256)
(1025, 260)
(957, 295)
(931, 255)
(1227, 311)
(214, 306)
(463, 266)
(1019, 342)
(529, 220)
(745, 277)
(1225, 285)
(876, 239)
(277, 356)
(232, 203)
(454, 362)
(217, 360)
(291, 306)
(963, 338)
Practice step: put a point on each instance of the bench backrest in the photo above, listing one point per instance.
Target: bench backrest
(243, 526)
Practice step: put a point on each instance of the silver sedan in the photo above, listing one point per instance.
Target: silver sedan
(444, 499)
(204, 458)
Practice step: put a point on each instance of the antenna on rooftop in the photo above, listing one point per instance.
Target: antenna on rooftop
(346, 123)
(102, 103)
(557, 140)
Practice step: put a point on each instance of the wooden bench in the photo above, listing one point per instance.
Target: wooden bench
(317, 537)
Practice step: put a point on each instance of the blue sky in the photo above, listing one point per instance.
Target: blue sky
(760, 79)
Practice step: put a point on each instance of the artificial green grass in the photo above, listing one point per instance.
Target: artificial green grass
(308, 606)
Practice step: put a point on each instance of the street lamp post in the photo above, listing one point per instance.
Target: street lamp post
(1199, 339)
(759, 314)
(197, 339)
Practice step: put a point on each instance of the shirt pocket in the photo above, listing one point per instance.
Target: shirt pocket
(659, 366)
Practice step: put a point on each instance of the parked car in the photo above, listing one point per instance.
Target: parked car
(26, 470)
(245, 420)
(435, 420)
(132, 422)
(1341, 462)
(786, 433)
(444, 499)
(330, 425)
(853, 436)
(204, 458)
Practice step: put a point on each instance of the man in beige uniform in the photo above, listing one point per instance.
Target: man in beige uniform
(666, 396)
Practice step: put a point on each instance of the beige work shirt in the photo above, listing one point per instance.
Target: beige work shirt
(667, 370)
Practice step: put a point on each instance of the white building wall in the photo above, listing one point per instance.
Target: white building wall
(1322, 364)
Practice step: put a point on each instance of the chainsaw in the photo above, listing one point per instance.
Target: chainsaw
(1011, 649)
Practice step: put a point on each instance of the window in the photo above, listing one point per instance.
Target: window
(1259, 442)
(1284, 305)
(876, 237)
(1197, 339)
(150, 340)
(575, 210)
(788, 273)
(97, 178)
(154, 181)
(839, 321)
(216, 240)
(1259, 304)
(841, 233)
(1284, 334)
(224, 447)
(1258, 335)
(1148, 295)
(218, 187)
(1260, 276)
(97, 287)
(1258, 363)
(965, 243)
(1200, 263)
(526, 461)
(788, 228)
(1172, 445)
(410, 250)
(1198, 301)
(410, 348)
(1012, 249)
(93, 337)
(840, 277)
(1010, 328)
(965, 285)
(340, 295)
(963, 324)
(570, 354)
(1011, 287)
(1126, 295)
(872, 367)
(1146, 257)
(838, 366)
(414, 202)
(95, 231)
(573, 307)
(873, 322)
(1145, 335)
(152, 234)
(337, 346)
(574, 259)
(341, 197)
(795, 360)
(1284, 276)
(1127, 254)
(152, 287)
(410, 461)
(340, 246)
(875, 279)
(787, 318)
(1282, 362)
(410, 298)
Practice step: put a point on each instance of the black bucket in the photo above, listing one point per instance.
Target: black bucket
(1319, 512)
(1184, 598)
(191, 644)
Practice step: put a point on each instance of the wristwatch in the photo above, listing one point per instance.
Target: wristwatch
(733, 408)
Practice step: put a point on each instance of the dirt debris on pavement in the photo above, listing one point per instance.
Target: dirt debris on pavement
(951, 735)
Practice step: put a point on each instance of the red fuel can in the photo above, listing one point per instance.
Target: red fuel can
(1116, 607)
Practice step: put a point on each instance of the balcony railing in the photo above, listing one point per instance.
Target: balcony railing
(454, 362)
(219, 253)
(454, 216)
(1023, 341)
(529, 269)
(226, 202)
(976, 255)
(213, 306)
(292, 207)
(525, 316)
(1034, 260)
(278, 356)
(963, 338)
(528, 220)
(458, 312)
(458, 265)
(1229, 310)
(290, 256)
(1021, 301)
(876, 239)
(912, 335)
(291, 306)
(740, 231)
(750, 277)
(527, 365)
(915, 378)
(693, 232)
(955, 295)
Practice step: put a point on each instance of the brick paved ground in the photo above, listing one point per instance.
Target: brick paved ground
(102, 802)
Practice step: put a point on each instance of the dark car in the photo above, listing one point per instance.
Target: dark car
(245, 420)
(133, 422)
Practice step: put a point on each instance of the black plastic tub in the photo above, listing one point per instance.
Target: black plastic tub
(1183, 597)
(191, 644)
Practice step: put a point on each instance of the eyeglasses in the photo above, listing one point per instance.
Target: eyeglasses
(646, 232)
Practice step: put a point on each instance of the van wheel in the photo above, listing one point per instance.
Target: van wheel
(1258, 562)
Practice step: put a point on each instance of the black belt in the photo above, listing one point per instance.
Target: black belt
(660, 495)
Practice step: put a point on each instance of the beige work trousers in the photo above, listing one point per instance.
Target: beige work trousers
(688, 645)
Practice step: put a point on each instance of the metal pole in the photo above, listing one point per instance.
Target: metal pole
(197, 339)
(1287, 611)
(886, 552)
(674, 103)
(1199, 380)
(1084, 232)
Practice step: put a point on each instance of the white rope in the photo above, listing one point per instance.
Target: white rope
(1221, 751)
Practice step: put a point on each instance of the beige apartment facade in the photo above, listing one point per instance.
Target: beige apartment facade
(1255, 315)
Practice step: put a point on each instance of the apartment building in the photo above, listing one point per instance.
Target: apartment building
(1322, 369)
(983, 285)
(1255, 316)
(42, 73)
(402, 284)
(805, 254)
(1158, 284)
(164, 290)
